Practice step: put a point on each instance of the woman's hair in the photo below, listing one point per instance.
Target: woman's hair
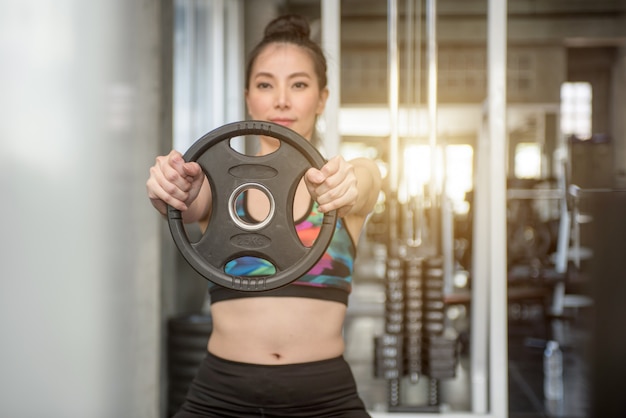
(292, 29)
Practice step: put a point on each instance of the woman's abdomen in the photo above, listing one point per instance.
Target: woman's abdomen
(277, 330)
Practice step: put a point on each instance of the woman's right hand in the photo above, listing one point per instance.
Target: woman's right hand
(174, 182)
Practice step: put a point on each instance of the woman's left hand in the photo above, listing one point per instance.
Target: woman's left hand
(334, 186)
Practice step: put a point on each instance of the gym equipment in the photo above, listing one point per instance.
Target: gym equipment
(228, 236)
(416, 341)
(415, 321)
(388, 359)
(413, 344)
(414, 316)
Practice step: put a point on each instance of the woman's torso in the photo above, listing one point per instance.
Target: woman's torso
(280, 330)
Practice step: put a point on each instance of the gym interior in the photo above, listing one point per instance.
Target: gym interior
(499, 126)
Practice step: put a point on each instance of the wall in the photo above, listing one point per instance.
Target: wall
(594, 65)
(619, 116)
(79, 288)
(606, 345)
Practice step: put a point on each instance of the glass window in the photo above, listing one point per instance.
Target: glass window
(576, 109)
(528, 160)
(459, 173)
(208, 74)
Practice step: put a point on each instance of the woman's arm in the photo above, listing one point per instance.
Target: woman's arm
(181, 185)
(368, 184)
(351, 187)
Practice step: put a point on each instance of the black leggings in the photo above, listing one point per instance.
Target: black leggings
(228, 389)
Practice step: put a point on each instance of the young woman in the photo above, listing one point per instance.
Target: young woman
(279, 353)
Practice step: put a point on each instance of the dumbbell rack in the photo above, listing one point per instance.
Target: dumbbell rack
(414, 344)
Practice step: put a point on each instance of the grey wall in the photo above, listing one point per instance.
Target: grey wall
(79, 273)
(619, 115)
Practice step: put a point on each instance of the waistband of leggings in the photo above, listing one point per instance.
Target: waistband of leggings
(317, 363)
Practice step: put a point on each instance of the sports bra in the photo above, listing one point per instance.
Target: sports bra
(329, 279)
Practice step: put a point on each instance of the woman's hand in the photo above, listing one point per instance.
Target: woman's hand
(334, 186)
(350, 187)
(174, 182)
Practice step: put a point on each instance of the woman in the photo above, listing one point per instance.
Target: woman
(278, 353)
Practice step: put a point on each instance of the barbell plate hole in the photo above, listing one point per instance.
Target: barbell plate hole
(308, 229)
(307, 233)
(250, 145)
(252, 207)
(249, 266)
(194, 231)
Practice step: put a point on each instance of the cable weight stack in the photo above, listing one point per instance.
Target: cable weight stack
(388, 347)
(434, 309)
(439, 355)
(388, 356)
(413, 317)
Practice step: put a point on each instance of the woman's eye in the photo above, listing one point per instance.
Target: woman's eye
(300, 85)
(263, 86)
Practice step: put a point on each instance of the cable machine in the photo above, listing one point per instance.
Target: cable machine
(415, 345)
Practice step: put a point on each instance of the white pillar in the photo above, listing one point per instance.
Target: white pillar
(331, 43)
(497, 133)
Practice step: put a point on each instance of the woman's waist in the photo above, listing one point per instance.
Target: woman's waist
(264, 351)
(277, 330)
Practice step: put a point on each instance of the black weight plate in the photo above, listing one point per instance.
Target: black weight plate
(275, 239)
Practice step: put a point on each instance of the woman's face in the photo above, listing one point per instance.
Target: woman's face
(284, 89)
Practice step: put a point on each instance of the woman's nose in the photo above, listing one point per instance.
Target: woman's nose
(282, 99)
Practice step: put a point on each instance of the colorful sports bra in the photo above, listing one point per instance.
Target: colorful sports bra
(329, 279)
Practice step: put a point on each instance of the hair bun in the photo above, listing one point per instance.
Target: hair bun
(288, 26)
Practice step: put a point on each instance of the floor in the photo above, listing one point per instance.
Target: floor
(528, 330)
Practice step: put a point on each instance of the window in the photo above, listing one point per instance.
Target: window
(528, 160)
(459, 173)
(576, 110)
(208, 75)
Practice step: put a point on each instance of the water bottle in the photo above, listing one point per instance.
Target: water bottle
(553, 372)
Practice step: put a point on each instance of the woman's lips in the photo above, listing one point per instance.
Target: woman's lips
(284, 122)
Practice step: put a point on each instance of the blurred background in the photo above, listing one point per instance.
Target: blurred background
(506, 200)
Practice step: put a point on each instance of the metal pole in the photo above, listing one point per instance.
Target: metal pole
(409, 25)
(409, 214)
(431, 26)
(394, 167)
(419, 202)
(412, 88)
(418, 54)
(392, 69)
